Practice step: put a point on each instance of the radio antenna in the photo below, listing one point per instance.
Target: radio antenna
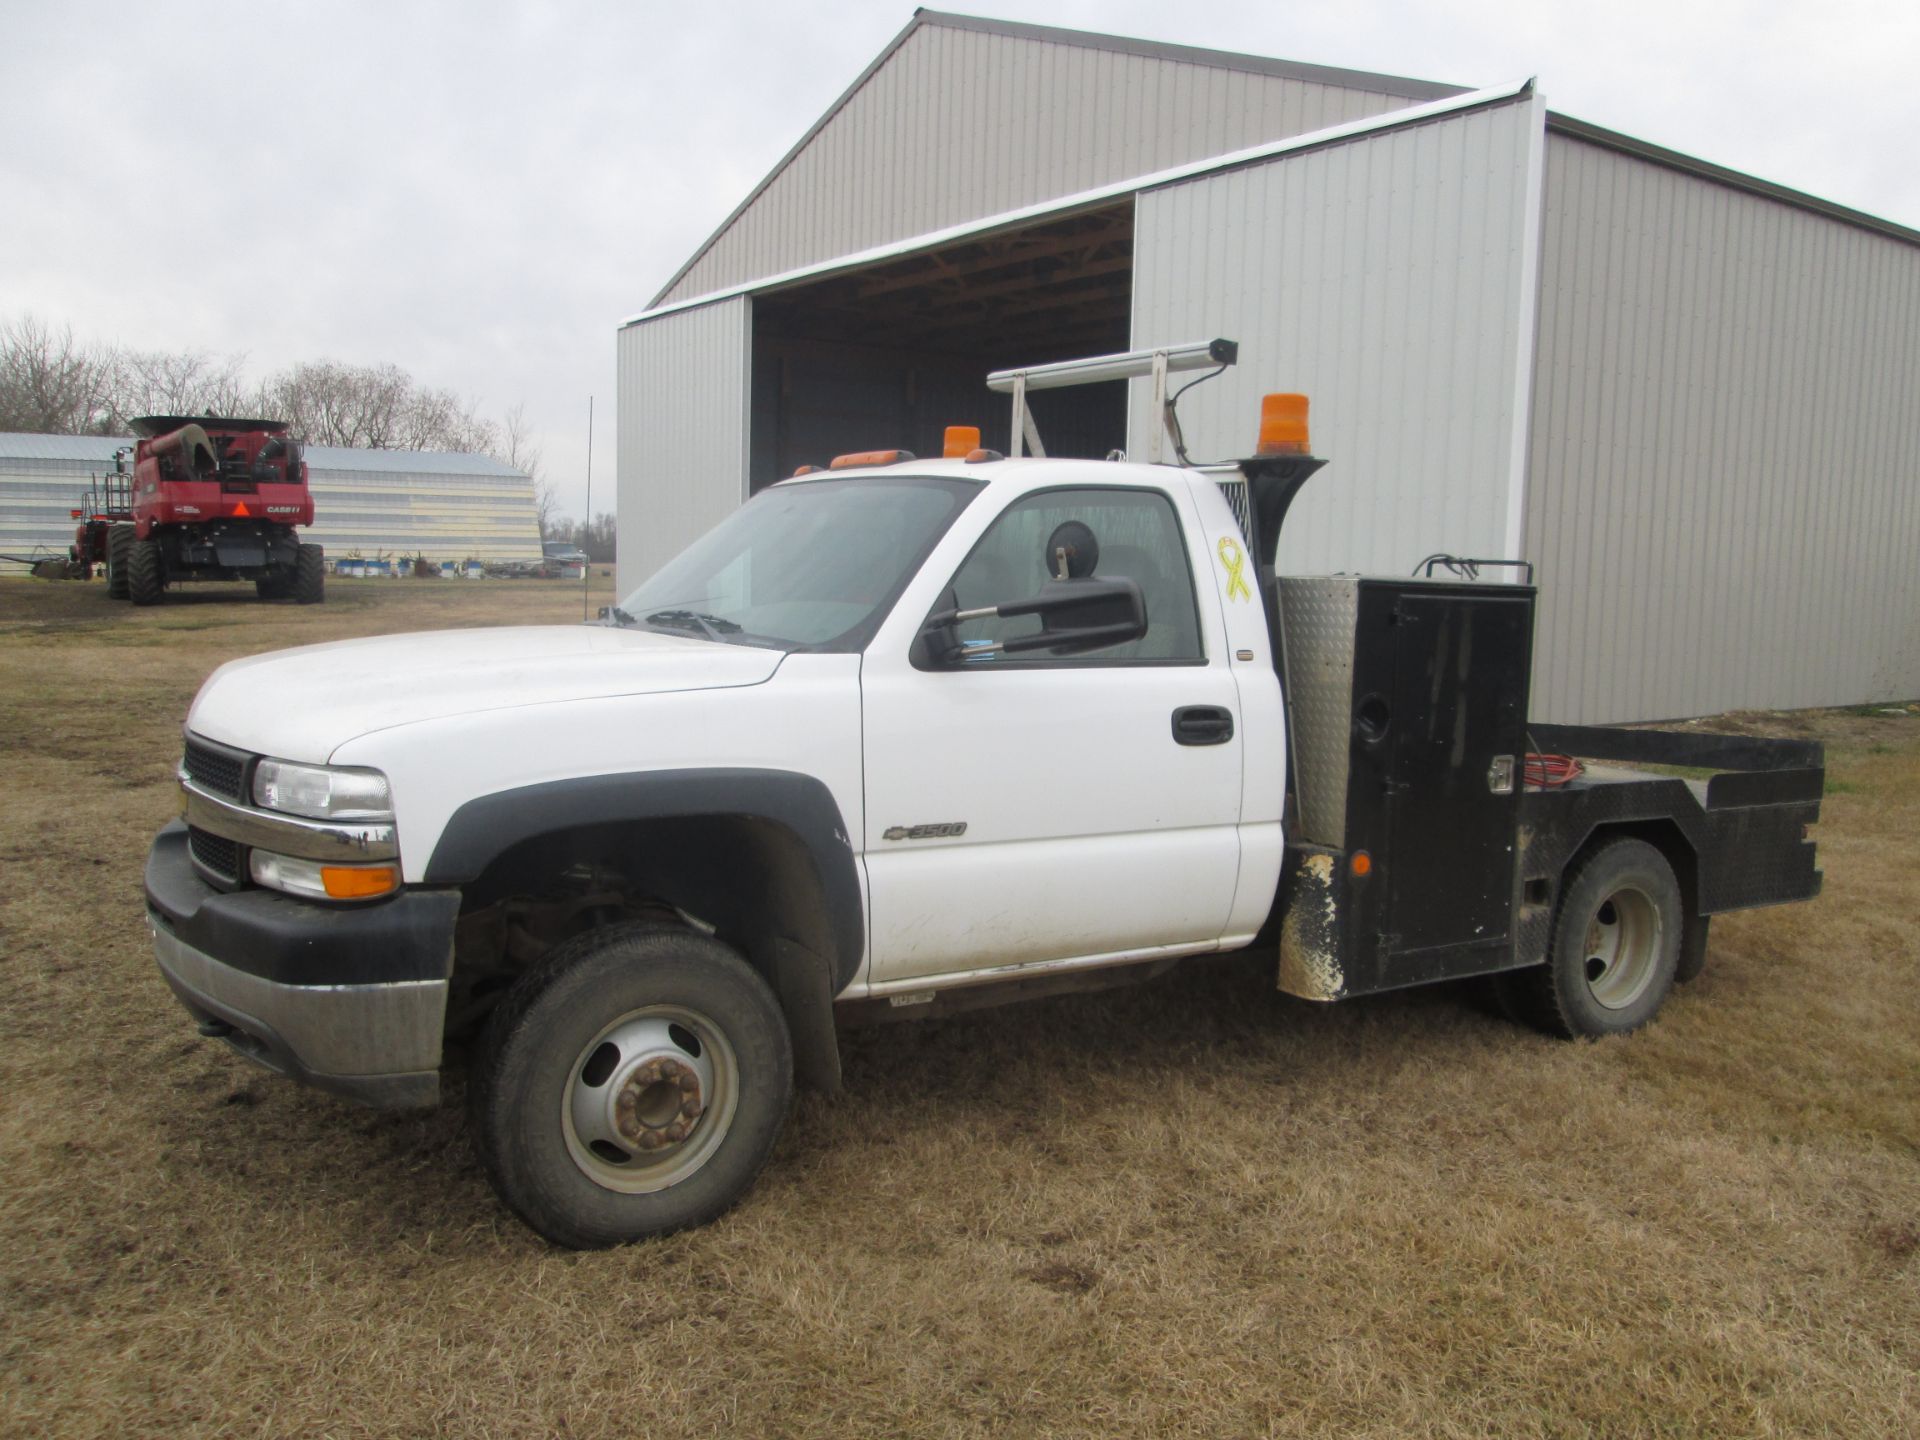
(586, 570)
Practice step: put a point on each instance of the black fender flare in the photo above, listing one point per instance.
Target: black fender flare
(487, 826)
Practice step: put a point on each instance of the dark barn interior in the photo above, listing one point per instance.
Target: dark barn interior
(889, 355)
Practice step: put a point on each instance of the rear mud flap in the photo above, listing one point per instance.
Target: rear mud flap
(1310, 958)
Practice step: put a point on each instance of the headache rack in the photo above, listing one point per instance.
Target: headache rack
(1157, 362)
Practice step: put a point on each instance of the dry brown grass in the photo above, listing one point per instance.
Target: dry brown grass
(1197, 1208)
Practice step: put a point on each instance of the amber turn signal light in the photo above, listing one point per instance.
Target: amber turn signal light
(358, 882)
(1283, 425)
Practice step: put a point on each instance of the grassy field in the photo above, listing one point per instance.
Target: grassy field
(1197, 1208)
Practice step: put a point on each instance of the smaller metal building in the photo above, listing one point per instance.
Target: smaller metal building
(1690, 396)
(366, 502)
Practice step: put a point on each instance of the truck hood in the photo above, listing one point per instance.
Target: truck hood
(303, 704)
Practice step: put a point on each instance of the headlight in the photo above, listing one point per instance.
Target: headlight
(320, 880)
(322, 792)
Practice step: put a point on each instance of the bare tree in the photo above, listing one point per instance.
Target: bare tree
(373, 406)
(602, 537)
(467, 429)
(188, 382)
(333, 404)
(517, 448)
(440, 420)
(546, 509)
(49, 383)
(53, 384)
(597, 537)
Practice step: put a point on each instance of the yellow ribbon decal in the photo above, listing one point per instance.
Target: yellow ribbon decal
(1235, 559)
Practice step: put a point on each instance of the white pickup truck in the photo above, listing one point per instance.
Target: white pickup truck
(907, 733)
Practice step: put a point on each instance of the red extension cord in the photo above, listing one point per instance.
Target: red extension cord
(1543, 772)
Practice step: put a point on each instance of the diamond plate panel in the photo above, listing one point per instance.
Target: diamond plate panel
(1318, 614)
(1234, 489)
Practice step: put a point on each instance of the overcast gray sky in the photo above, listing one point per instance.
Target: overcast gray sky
(479, 192)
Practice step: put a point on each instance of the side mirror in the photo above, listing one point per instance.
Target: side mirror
(1076, 616)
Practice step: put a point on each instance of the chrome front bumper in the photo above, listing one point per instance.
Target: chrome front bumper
(351, 998)
(378, 1044)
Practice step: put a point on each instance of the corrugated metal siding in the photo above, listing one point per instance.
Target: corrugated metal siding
(1383, 277)
(1724, 490)
(960, 124)
(682, 444)
(377, 504)
(41, 477)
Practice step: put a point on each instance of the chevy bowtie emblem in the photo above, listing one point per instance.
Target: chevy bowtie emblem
(946, 831)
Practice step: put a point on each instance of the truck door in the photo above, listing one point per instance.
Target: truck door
(1033, 808)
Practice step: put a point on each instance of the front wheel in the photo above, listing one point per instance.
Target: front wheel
(633, 1084)
(1615, 949)
(309, 575)
(146, 572)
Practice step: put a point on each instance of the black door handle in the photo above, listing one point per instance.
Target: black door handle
(1202, 725)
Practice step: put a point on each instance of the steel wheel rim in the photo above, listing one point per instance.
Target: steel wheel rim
(1622, 947)
(671, 1071)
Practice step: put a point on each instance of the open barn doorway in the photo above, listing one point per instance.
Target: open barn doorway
(889, 355)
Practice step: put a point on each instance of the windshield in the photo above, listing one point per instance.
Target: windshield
(813, 566)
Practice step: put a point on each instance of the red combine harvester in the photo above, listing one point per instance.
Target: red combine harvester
(208, 499)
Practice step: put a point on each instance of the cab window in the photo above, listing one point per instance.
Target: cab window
(1138, 537)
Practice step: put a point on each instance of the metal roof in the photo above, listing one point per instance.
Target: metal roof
(406, 462)
(1721, 175)
(98, 449)
(1414, 90)
(1411, 89)
(16, 445)
(1188, 54)
(1333, 134)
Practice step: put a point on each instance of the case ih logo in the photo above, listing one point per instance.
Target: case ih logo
(283, 509)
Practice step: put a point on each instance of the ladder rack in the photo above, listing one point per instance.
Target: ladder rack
(1158, 362)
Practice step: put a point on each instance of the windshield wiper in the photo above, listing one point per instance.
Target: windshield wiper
(713, 626)
(619, 616)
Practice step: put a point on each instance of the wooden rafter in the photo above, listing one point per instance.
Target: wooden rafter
(1057, 289)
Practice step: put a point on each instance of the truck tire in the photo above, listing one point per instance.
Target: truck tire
(310, 575)
(119, 542)
(1615, 948)
(146, 572)
(633, 1084)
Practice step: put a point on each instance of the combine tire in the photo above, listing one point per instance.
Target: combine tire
(119, 542)
(146, 572)
(310, 575)
(274, 585)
